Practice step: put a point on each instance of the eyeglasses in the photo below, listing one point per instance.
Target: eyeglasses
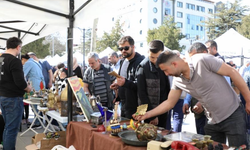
(126, 48)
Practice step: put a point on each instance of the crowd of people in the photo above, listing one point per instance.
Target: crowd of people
(171, 85)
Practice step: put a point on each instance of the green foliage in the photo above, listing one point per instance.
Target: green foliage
(226, 17)
(168, 33)
(38, 47)
(110, 40)
(59, 43)
(244, 28)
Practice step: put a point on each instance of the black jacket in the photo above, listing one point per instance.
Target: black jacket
(128, 91)
(153, 85)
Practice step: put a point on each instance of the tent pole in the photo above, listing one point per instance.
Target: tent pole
(70, 56)
(242, 57)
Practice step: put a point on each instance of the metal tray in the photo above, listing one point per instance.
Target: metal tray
(129, 137)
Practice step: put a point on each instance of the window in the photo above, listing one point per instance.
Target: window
(190, 6)
(201, 28)
(155, 21)
(155, 0)
(179, 4)
(141, 44)
(140, 21)
(187, 36)
(198, 8)
(141, 32)
(179, 14)
(155, 10)
(113, 19)
(210, 10)
(140, 10)
(203, 9)
(192, 27)
(179, 25)
(188, 19)
(197, 27)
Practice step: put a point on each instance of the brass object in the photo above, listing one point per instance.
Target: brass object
(141, 110)
(146, 132)
(51, 100)
(62, 101)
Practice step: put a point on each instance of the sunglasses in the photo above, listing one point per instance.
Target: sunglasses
(126, 48)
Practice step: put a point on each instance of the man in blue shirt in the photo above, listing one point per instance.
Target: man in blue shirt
(46, 69)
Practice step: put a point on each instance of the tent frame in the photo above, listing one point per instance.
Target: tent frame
(71, 19)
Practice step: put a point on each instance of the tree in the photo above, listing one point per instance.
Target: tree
(38, 47)
(168, 33)
(226, 17)
(244, 28)
(110, 40)
(58, 42)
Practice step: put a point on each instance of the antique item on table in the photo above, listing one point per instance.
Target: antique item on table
(63, 100)
(141, 110)
(182, 145)
(81, 97)
(166, 145)
(96, 118)
(129, 137)
(184, 136)
(113, 73)
(146, 132)
(51, 101)
(207, 137)
(114, 123)
(93, 100)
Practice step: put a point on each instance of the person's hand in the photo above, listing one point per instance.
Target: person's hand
(185, 109)
(120, 81)
(198, 108)
(114, 86)
(155, 121)
(28, 88)
(248, 108)
(141, 117)
(49, 85)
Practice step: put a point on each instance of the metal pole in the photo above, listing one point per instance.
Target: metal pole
(83, 49)
(70, 56)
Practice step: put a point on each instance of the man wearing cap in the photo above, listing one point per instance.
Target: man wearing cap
(46, 69)
(152, 84)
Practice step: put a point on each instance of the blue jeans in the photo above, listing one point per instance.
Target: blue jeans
(12, 110)
(234, 128)
(177, 117)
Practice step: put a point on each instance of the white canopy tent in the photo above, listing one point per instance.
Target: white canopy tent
(19, 17)
(231, 44)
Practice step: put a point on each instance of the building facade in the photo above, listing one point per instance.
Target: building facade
(142, 15)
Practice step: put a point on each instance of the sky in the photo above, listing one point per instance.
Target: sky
(243, 2)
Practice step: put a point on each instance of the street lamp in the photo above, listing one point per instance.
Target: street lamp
(83, 47)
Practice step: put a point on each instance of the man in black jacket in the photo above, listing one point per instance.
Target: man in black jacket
(127, 83)
(152, 84)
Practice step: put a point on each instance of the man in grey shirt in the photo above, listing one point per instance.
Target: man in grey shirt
(202, 77)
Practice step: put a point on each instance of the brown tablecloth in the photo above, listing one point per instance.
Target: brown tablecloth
(83, 137)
